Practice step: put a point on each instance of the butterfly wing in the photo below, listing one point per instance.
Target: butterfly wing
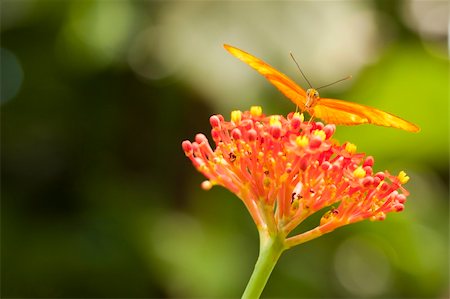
(288, 87)
(347, 113)
(330, 110)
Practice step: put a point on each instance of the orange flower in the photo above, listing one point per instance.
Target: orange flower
(285, 169)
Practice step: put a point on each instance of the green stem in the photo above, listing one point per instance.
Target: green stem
(270, 250)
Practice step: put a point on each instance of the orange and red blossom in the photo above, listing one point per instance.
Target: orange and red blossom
(286, 169)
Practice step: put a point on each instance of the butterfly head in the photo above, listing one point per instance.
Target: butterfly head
(312, 95)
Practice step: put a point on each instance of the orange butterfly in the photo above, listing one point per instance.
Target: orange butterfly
(330, 110)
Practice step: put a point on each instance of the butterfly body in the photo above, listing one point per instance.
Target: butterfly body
(334, 111)
(312, 96)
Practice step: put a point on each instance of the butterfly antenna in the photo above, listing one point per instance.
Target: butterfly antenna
(348, 77)
(292, 56)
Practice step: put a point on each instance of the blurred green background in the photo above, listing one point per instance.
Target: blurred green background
(98, 199)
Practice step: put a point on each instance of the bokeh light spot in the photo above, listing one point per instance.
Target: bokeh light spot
(90, 39)
(362, 267)
(12, 75)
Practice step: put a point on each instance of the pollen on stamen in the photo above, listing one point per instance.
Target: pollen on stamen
(320, 133)
(256, 111)
(350, 148)
(402, 177)
(359, 172)
(275, 121)
(302, 141)
(236, 116)
(302, 117)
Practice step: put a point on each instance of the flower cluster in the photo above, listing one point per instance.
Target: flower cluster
(286, 169)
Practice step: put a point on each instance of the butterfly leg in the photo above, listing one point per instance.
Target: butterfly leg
(311, 117)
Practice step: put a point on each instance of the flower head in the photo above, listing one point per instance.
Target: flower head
(285, 169)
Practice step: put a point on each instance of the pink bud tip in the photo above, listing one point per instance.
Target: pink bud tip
(329, 130)
(399, 207)
(384, 186)
(214, 121)
(367, 181)
(295, 122)
(199, 138)
(187, 146)
(376, 181)
(335, 167)
(380, 175)
(368, 170)
(315, 142)
(236, 133)
(326, 165)
(252, 135)
(247, 124)
(275, 131)
(319, 126)
(401, 198)
(369, 161)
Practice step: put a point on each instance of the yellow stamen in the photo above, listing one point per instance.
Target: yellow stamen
(300, 115)
(350, 147)
(359, 172)
(236, 116)
(302, 141)
(320, 133)
(402, 177)
(275, 121)
(256, 110)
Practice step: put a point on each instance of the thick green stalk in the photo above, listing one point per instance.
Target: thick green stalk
(270, 250)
